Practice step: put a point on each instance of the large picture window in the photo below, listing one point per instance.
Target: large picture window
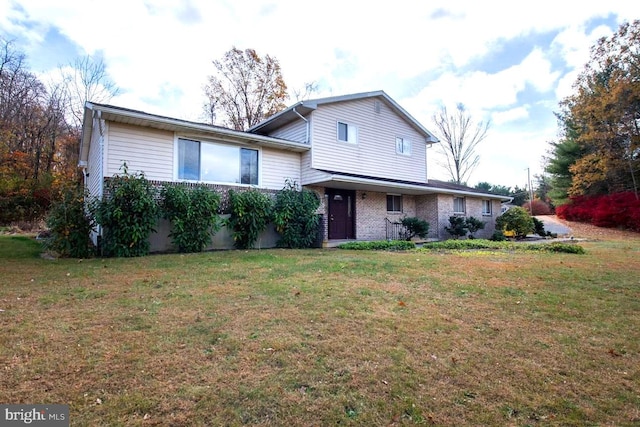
(210, 162)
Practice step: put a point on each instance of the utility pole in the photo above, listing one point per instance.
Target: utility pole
(530, 193)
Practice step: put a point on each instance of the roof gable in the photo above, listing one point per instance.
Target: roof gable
(304, 107)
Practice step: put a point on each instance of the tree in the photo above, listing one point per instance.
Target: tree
(562, 156)
(86, 79)
(519, 196)
(245, 90)
(495, 189)
(460, 137)
(602, 118)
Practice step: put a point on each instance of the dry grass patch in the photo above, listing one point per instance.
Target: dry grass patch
(320, 337)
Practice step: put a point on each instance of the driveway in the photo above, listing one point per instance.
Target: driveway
(552, 224)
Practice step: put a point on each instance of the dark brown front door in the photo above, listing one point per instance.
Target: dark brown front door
(341, 214)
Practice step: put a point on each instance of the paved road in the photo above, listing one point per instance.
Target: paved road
(552, 224)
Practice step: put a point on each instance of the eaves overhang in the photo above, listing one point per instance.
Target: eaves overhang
(379, 185)
(139, 118)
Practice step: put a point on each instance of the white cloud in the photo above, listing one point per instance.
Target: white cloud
(502, 117)
(159, 52)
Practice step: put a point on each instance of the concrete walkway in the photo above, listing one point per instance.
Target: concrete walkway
(552, 224)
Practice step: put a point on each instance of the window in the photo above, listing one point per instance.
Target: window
(347, 133)
(458, 205)
(210, 162)
(394, 203)
(486, 207)
(403, 146)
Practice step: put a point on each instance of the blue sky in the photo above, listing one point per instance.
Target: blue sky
(508, 62)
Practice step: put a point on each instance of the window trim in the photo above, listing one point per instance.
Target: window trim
(176, 163)
(464, 205)
(393, 195)
(352, 132)
(404, 143)
(488, 212)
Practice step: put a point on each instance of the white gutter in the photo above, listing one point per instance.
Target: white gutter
(421, 188)
(243, 136)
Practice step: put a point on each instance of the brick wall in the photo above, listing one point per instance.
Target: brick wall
(371, 211)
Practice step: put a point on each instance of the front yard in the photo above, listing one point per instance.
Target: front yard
(326, 337)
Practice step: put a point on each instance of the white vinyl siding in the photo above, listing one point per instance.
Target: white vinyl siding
(143, 149)
(375, 153)
(95, 161)
(294, 131)
(278, 166)
(309, 175)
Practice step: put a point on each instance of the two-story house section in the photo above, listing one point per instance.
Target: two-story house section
(368, 161)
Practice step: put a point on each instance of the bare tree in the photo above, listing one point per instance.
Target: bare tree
(305, 92)
(245, 90)
(86, 79)
(460, 137)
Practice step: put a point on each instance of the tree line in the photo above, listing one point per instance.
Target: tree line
(598, 151)
(40, 128)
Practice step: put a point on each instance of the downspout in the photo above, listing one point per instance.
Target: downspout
(98, 115)
(306, 121)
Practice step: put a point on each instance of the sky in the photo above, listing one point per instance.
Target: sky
(508, 62)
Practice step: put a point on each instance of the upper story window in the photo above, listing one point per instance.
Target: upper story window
(403, 146)
(458, 205)
(347, 133)
(486, 207)
(394, 203)
(211, 162)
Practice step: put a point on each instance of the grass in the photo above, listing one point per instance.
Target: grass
(326, 337)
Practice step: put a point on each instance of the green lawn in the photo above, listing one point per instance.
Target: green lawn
(326, 337)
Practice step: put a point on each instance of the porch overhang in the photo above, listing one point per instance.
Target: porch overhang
(381, 185)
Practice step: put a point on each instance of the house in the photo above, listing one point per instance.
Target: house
(363, 154)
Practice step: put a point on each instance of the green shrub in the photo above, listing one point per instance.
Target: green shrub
(385, 245)
(193, 213)
(568, 248)
(294, 215)
(474, 225)
(498, 236)
(415, 227)
(538, 227)
(128, 213)
(70, 224)
(509, 246)
(516, 219)
(457, 227)
(250, 214)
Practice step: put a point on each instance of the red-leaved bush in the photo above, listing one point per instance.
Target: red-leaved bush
(619, 210)
(539, 207)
